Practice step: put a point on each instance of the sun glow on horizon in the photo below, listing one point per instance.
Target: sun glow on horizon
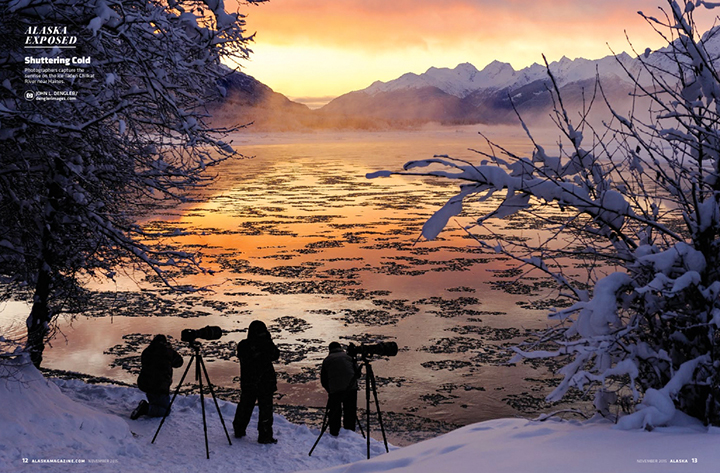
(326, 49)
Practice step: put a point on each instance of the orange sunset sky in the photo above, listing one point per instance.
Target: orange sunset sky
(325, 48)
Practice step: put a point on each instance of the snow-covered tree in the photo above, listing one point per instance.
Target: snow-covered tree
(636, 200)
(76, 174)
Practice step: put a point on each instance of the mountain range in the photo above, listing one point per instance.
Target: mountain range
(468, 95)
(462, 95)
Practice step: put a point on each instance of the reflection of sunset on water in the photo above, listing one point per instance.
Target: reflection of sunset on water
(299, 238)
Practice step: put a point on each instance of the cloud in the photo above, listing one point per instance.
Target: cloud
(417, 23)
(381, 39)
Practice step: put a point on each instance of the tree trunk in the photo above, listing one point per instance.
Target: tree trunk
(40, 314)
(39, 319)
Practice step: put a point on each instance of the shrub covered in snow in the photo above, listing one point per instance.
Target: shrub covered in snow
(637, 200)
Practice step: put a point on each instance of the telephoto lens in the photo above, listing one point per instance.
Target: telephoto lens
(383, 349)
(377, 349)
(209, 332)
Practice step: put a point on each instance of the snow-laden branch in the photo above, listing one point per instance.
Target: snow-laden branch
(77, 174)
(640, 209)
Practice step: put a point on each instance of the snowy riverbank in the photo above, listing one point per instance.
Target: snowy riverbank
(50, 422)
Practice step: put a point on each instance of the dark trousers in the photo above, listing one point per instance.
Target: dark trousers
(244, 410)
(343, 403)
(159, 404)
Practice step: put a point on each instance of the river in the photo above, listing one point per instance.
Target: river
(299, 238)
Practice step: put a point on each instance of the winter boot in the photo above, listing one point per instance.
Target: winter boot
(140, 410)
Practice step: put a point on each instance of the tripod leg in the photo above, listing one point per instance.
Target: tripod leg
(177, 390)
(212, 392)
(368, 374)
(198, 377)
(359, 424)
(325, 424)
(377, 407)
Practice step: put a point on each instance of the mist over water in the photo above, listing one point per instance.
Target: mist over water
(299, 238)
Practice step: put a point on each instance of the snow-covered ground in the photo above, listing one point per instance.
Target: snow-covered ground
(45, 423)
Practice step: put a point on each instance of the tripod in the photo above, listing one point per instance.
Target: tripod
(197, 357)
(370, 384)
(326, 424)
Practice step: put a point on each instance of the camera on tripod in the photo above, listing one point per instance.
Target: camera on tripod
(378, 349)
(365, 352)
(209, 332)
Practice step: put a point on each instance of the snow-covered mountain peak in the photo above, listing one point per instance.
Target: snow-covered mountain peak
(463, 72)
(568, 70)
(465, 78)
(460, 81)
(466, 66)
(497, 75)
(624, 56)
(497, 68)
(711, 38)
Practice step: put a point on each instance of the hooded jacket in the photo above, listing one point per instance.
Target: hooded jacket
(256, 354)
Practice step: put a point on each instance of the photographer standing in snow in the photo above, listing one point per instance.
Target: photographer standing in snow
(157, 363)
(338, 376)
(258, 382)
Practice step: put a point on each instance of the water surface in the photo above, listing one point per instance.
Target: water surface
(299, 238)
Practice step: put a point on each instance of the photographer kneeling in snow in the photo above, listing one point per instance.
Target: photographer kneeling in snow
(157, 363)
(338, 376)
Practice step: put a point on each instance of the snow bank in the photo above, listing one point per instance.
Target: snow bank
(39, 421)
(61, 420)
(518, 445)
(53, 423)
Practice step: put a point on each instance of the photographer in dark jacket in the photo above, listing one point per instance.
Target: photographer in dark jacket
(157, 363)
(258, 381)
(338, 376)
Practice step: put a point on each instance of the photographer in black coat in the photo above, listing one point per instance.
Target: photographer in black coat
(258, 381)
(157, 363)
(338, 376)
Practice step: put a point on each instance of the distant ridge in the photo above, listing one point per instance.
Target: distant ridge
(468, 95)
(462, 95)
(248, 100)
(465, 79)
(250, 103)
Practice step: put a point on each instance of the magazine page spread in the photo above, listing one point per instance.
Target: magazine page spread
(350, 235)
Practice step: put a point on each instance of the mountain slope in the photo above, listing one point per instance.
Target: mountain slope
(463, 95)
(465, 79)
(402, 105)
(467, 95)
(249, 101)
(252, 104)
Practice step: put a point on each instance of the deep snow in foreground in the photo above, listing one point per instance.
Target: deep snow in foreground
(57, 420)
(43, 420)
